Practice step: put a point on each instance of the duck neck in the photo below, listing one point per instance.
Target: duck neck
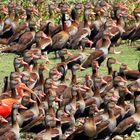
(96, 91)
(14, 92)
(15, 124)
(95, 72)
(111, 113)
(41, 77)
(17, 69)
(26, 68)
(80, 97)
(110, 69)
(35, 67)
(121, 101)
(74, 77)
(62, 57)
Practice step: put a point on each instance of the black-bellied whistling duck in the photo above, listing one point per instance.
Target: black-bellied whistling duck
(119, 29)
(24, 42)
(105, 129)
(96, 25)
(87, 130)
(131, 108)
(82, 33)
(43, 42)
(111, 73)
(73, 29)
(18, 63)
(13, 132)
(75, 59)
(49, 133)
(129, 124)
(126, 109)
(18, 33)
(95, 67)
(31, 113)
(62, 67)
(109, 63)
(8, 27)
(40, 82)
(89, 84)
(135, 35)
(74, 69)
(130, 74)
(3, 12)
(60, 39)
(4, 126)
(101, 52)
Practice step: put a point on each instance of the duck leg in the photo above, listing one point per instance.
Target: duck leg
(112, 50)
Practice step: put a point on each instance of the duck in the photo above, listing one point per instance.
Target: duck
(82, 33)
(129, 124)
(100, 53)
(118, 31)
(105, 129)
(24, 42)
(63, 35)
(48, 132)
(18, 63)
(31, 113)
(129, 74)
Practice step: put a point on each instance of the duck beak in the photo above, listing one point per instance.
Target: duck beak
(85, 87)
(41, 94)
(24, 63)
(117, 62)
(89, 42)
(35, 11)
(43, 35)
(110, 34)
(81, 68)
(4, 120)
(58, 99)
(123, 7)
(122, 80)
(128, 91)
(34, 56)
(69, 53)
(113, 99)
(82, 89)
(31, 79)
(130, 16)
(66, 115)
(4, 10)
(103, 81)
(96, 109)
(117, 107)
(22, 107)
(32, 101)
(56, 119)
(27, 89)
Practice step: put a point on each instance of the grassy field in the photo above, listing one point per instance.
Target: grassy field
(128, 56)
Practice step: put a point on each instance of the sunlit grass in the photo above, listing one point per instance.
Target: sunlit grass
(128, 56)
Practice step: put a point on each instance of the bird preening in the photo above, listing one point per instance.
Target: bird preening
(45, 98)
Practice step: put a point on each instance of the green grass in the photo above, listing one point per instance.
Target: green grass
(128, 56)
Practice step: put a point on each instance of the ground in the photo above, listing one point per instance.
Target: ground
(128, 56)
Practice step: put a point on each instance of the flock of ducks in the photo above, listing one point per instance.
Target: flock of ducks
(99, 107)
